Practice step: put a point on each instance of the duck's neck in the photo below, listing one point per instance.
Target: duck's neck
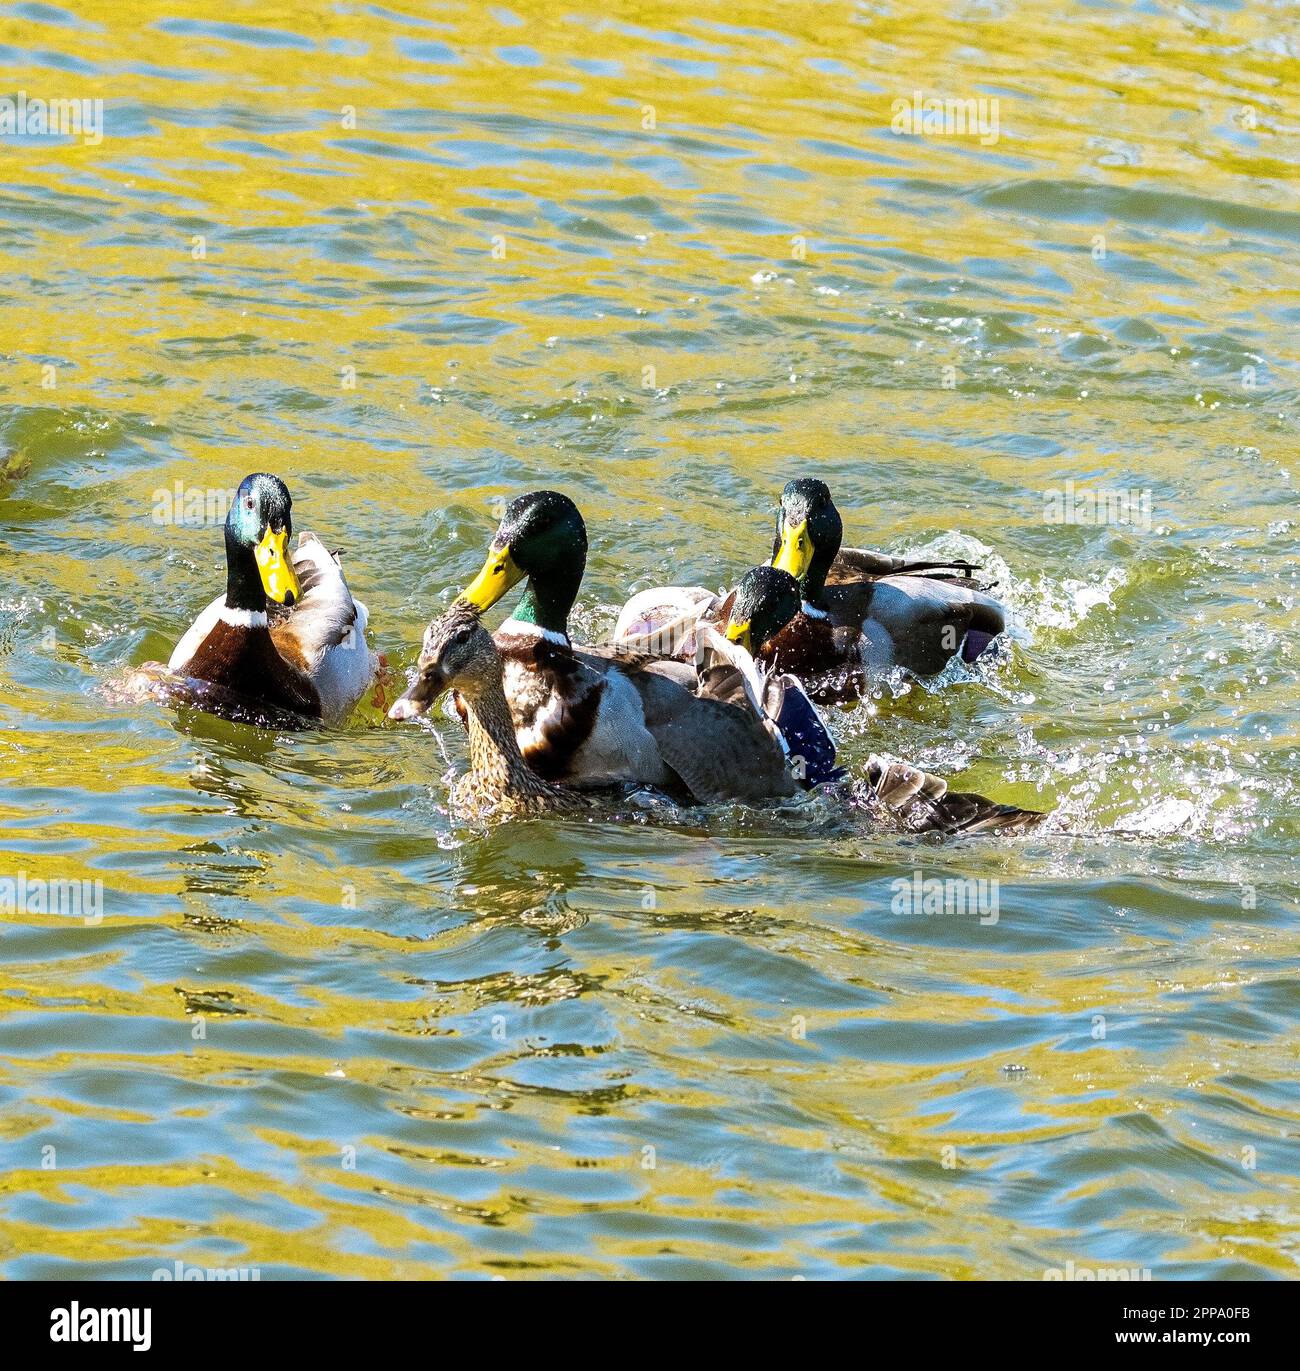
(244, 590)
(496, 764)
(548, 599)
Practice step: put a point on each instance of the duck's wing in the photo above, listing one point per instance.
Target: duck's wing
(924, 804)
(721, 752)
(713, 738)
(195, 634)
(324, 634)
(326, 615)
(661, 622)
(728, 672)
(807, 739)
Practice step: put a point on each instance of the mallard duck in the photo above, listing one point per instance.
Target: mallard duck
(591, 716)
(286, 639)
(866, 610)
(861, 610)
(458, 654)
(764, 601)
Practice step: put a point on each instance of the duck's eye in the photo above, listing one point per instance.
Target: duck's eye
(248, 504)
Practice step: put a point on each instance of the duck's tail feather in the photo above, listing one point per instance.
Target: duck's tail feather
(965, 569)
(924, 804)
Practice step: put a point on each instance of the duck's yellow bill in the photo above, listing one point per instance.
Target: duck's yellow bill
(279, 579)
(796, 551)
(498, 575)
(739, 633)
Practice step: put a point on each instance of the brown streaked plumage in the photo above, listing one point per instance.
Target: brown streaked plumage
(458, 654)
(922, 803)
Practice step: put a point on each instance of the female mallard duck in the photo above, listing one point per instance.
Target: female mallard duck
(592, 716)
(458, 654)
(861, 610)
(308, 658)
(866, 610)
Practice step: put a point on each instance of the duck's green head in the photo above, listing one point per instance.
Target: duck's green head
(767, 598)
(258, 562)
(542, 537)
(808, 534)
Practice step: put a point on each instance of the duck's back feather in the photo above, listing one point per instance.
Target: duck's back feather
(857, 563)
(325, 632)
(661, 622)
(575, 719)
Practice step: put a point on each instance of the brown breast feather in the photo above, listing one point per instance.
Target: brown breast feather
(804, 647)
(245, 661)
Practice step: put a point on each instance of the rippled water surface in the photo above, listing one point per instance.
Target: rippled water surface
(418, 258)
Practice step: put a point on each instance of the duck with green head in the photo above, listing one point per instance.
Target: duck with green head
(591, 716)
(286, 636)
(541, 536)
(765, 600)
(867, 611)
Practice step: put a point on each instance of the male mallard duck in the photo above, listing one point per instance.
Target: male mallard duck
(599, 716)
(309, 658)
(860, 609)
(863, 609)
(765, 600)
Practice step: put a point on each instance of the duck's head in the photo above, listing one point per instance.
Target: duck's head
(808, 534)
(542, 537)
(457, 654)
(767, 598)
(258, 562)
